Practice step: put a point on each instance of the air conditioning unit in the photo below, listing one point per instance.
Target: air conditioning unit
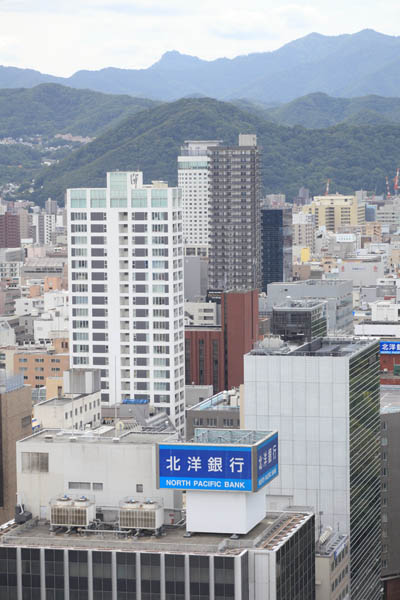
(136, 514)
(66, 511)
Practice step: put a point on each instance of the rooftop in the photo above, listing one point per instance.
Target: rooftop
(245, 437)
(334, 544)
(101, 435)
(269, 535)
(303, 304)
(62, 400)
(220, 401)
(390, 398)
(327, 346)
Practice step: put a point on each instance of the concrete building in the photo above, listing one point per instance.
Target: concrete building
(126, 289)
(323, 397)
(221, 411)
(234, 226)
(388, 214)
(304, 231)
(9, 297)
(195, 278)
(201, 313)
(332, 566)
(77, 408)
(36, 364)
(193, 180)
(15, 424)
(10, 236)
(40, 268)
(336, 210)
(338, 294)
(276, 245)
(197, 393)
(363, 270)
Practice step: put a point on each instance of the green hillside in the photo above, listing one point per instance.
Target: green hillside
(50, 108)
(352, 157)
(320, 110)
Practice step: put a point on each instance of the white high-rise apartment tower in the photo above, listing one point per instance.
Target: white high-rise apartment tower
(126, 289)
(193, 180)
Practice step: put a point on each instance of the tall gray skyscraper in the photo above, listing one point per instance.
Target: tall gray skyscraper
(235, 212)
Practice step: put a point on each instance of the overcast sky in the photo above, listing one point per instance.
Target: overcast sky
(63, 36)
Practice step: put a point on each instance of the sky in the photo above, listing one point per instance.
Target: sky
(62, 36)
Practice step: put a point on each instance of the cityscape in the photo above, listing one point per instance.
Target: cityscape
(200, 324)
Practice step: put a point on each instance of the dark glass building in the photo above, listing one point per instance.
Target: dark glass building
(102, 566)
(276, 245)
(300, 321)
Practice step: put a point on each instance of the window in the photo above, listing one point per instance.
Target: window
(25, 421)
(35, 462)
(79, 485)
(97, 487)
(139, 488)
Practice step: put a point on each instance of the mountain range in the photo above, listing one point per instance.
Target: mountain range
(346, 65)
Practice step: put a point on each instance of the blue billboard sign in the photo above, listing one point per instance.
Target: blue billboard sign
(389, 347)
(267, 461)
(219, 467)
(194, 467)
(135, 401)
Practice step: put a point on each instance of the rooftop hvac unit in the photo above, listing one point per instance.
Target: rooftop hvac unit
(68, 512)
(134, 514)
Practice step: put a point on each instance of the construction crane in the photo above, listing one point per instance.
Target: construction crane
(388, 194)
(396, 181)
(328, 181)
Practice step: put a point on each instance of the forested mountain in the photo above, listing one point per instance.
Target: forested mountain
(51, 108)
(320, 110)
(347, 65)
(352, 157)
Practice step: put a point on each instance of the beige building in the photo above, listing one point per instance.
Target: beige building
(37, 364)
(15, 424)
(335, 210)
(332, 564)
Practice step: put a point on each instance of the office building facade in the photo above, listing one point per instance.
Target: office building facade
(324, 398)
(235, 213)
(126, 289)
(338, 293)
(276, 245)
(193, 178)
(336, 210)
(299, 321)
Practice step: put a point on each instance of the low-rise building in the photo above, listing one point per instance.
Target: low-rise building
(332, 566)
(15, 424)
(219, 411)
(36, 364)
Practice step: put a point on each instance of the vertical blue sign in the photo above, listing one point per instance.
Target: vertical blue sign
(267, 461)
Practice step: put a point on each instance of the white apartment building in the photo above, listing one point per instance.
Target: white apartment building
(126, 290)
(193, 181)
